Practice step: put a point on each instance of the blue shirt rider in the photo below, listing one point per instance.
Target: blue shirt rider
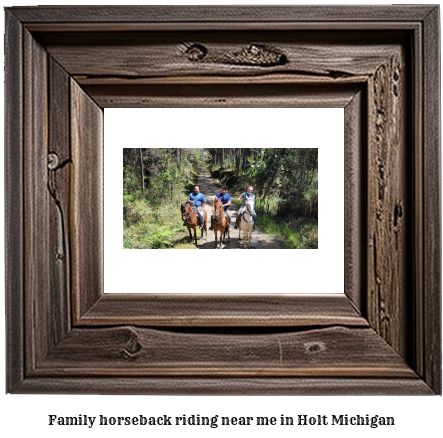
(225, 198)
(198, 200)
(247, 196)
(226, 202)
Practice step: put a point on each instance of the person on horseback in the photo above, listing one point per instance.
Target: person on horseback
(246, 197)
(199, 201)
(226, 202)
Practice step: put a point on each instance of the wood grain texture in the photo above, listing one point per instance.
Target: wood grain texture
(38, 305)
(431, 321)
(222, 96)
(166, 54)
(288, 386)
(74, 61)
(355, 195)
(388, 204)
(240, 310)
(58, 175)
(417, 357)
(213, 14)
(86, 209)
(129, 351)
(14, 202)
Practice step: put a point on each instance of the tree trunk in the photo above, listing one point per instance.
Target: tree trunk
(143, 170)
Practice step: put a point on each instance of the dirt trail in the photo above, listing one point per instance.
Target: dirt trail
(259, 240)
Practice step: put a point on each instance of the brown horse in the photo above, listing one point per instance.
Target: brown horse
(190, 215)
(220, 222)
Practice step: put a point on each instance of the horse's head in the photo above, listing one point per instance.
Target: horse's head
(183, 209)
(248, 207)
(217, 204)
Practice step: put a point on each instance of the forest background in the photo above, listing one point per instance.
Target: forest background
(157, 180)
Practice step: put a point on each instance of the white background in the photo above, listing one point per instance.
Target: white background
(26, 415)
(322, 128)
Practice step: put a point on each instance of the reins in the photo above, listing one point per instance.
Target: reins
(246, 212)
(219, 214)
(188, 217)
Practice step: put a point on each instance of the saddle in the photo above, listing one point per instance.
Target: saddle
(224, 216)
(194, 210)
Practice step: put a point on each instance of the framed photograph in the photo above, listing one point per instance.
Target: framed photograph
(377, 331)
(296, 191)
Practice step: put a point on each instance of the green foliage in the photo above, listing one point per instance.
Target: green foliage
(155, 182)
(156, 227)
(135, 208)
(298, 234)
(285, 180)
(131, 181)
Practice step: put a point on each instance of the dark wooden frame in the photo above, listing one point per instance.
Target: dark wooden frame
(64, 65)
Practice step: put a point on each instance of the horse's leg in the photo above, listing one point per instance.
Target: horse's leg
(215, 235)
(220, 239)
(204, 224)
(190, 236)
(195, 235)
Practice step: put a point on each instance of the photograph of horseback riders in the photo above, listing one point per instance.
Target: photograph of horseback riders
(229, 198)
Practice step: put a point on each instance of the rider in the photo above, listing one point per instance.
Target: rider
(199, 201)
(247, 196)
(226, 202)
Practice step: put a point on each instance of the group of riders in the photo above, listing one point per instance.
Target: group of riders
(198, 201)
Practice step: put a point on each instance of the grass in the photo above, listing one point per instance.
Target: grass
(149, 227)
(299, 233)
(185, 245)
(148, 236)
(154, 227)
(146, 226)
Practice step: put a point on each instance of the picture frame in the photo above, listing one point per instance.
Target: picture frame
(65, 64)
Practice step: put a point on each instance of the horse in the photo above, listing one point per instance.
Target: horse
(220, 222)
(246, 224)
(190, 215)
